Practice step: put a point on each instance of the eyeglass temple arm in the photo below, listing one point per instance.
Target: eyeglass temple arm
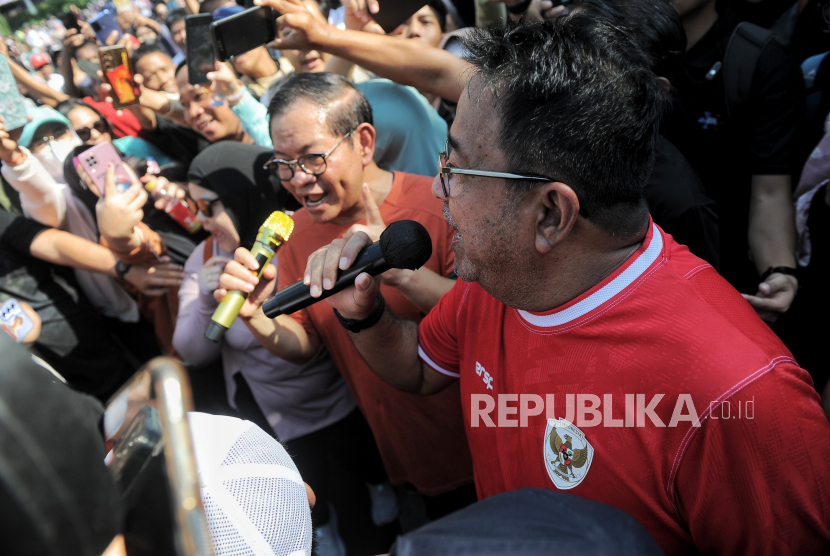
(486, 174)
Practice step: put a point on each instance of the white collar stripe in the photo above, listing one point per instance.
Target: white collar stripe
(607, 292)
(434, 365)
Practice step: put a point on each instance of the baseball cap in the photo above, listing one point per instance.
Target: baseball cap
(38, 60)
(530, 522)
(40, 116)
(254, 498)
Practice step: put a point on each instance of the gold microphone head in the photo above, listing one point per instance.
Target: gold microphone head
(277, 228)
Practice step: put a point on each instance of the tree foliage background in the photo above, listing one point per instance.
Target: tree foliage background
(45, 9)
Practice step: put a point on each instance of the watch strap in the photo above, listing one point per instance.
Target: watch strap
(121, 268)
(356, 325)
(788, 270)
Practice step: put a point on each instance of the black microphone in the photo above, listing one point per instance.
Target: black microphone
(403, 244)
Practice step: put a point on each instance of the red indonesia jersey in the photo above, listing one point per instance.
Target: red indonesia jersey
(698, 422)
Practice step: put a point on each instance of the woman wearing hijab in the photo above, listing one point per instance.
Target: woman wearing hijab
(138, 235)
(308, 407)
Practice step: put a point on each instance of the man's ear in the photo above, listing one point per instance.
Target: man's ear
(557, 208)
(364, 137)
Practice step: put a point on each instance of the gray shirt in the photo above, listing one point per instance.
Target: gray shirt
(296, 399)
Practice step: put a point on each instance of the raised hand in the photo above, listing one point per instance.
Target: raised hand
(9, 149)
(209, 274)
(374, 221)
(155, 280)
(223, 81)
(119, 213)
(239, 275)
(356, 302)
(299, 26)
(774, 297)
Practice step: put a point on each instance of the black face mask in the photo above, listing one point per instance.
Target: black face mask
(89, 67)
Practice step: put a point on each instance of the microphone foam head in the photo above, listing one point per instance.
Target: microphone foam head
(405, 244)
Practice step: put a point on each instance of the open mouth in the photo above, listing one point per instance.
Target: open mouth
(202, 127)
(311, 201)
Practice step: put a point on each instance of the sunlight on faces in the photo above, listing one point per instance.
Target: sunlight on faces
(158, 71)
(51, 129)
(307, 61)
(178, 33)
(82, 116)
(144, 33)
(423, 26)
(481, 209)
(247, 63)
(333, 196)
(220, 224)
(214, 123)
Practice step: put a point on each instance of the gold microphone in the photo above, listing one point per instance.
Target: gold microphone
(272, 234)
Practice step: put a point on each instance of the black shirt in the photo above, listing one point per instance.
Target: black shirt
(727, 150)
(72, 338)
(177, 142)
(803, 328)
(679, 205)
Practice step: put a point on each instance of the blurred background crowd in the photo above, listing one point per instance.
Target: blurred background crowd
(113, 269)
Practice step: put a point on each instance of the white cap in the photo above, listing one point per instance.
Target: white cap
(254, 497)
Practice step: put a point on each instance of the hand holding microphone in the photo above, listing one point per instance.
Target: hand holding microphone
(339, 271)
(272, 234)
(404, 244)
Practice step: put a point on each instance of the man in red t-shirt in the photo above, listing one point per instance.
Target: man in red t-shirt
(595, 354)
(323, 146)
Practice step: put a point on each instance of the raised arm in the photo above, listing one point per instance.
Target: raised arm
(390, 346)
(407, 62)
(35, 86)
(40, 195)
(283, 336)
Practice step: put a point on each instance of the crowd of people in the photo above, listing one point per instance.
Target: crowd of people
(625, 201)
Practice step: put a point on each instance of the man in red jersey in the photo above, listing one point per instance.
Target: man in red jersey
(321, 127)
(596, 355)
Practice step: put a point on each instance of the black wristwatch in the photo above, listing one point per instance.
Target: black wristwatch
(121, 268)
(788, 270)
(356, 325)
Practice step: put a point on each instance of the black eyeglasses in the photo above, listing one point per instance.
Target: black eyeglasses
(312, 164)
(445, 171)
(206, 207)
(85, 133)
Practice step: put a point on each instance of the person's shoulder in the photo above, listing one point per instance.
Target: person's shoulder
(776, 63)
(403, 97)
(730, 319)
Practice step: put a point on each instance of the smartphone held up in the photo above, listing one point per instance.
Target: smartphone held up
(118, 71)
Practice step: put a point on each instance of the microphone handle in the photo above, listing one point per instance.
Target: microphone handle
(297, 296)
(229, 308)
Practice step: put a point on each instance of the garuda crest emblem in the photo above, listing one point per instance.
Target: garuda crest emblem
(568, 453)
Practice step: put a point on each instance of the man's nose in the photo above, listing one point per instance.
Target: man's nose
(437, 189)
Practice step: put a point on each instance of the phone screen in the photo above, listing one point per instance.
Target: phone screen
(240, 33)
(14, 321)
(11, 101)
(200, 58)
